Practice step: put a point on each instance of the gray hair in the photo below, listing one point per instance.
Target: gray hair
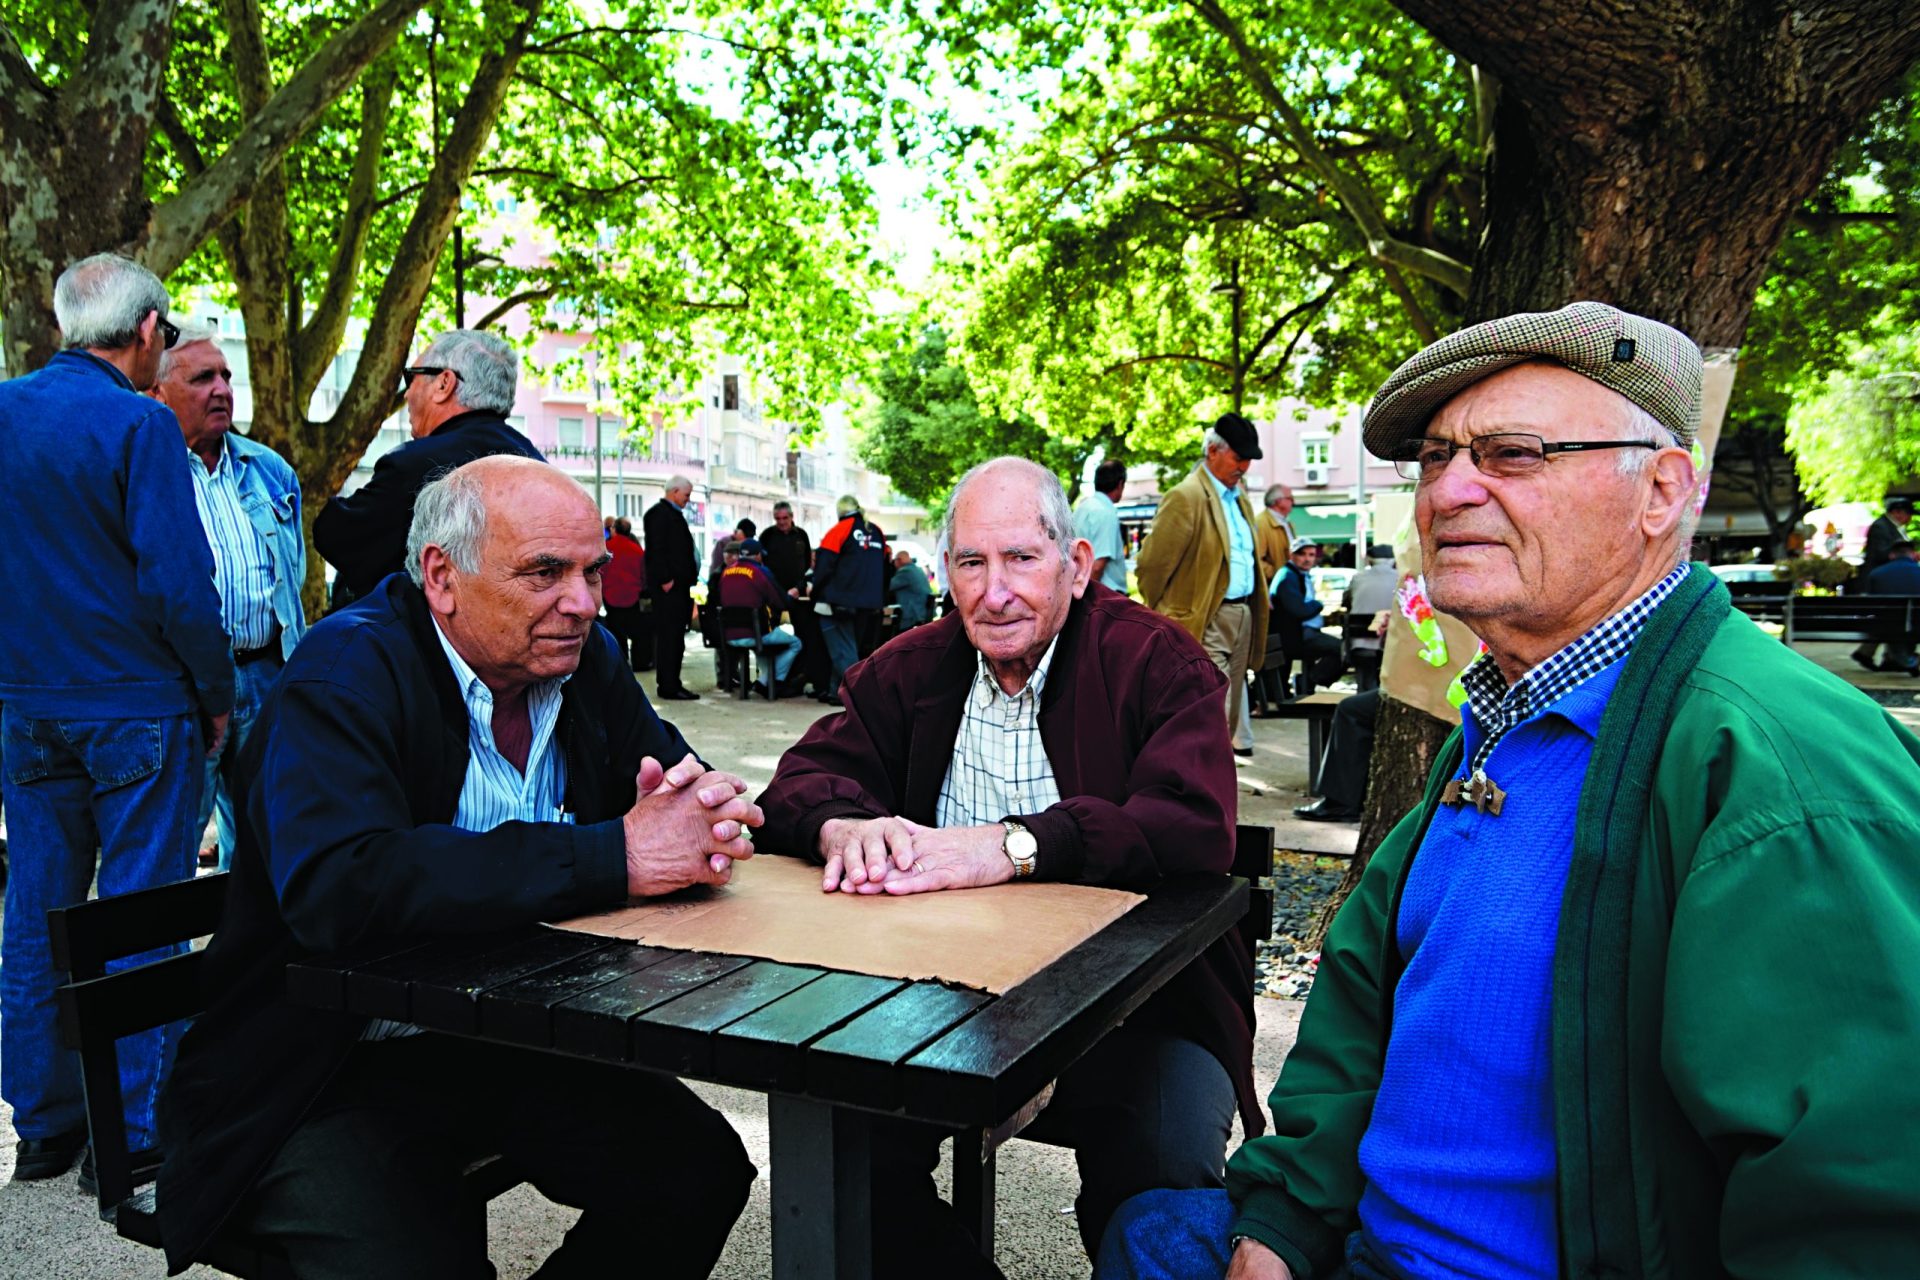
(189, 334)
(451, 514)
(1056, 517)
(101, 300)
(1215, 441)
(677, 483)
(1274, 493)
(1638, 424)
(783, 505)
(489, 368)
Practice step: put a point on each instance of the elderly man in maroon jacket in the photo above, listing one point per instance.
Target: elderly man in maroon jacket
(1051, 730)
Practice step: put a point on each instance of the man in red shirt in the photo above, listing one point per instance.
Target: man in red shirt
(621, 583)
(746, 584)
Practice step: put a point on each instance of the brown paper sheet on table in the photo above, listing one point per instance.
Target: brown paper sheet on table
(992, 939)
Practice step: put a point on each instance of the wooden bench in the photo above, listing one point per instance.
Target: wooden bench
(1317, 710)
(96, 1008)
(1878, 619)
(974, 1150)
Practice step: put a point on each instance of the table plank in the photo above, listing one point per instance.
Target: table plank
(446, 1000)
(858, 1062)
(522, 1012)
(990, 1065)
(767, 1048)
(382, 988)
(678, 1036)
(321, 981)
(595, 1023)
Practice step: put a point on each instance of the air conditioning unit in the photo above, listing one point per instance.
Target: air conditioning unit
(1316, 475)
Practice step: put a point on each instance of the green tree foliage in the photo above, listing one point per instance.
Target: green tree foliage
(1856, 433)
(924, 426)
(1169, 245)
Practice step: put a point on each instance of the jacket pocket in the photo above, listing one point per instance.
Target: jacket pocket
(117, 752)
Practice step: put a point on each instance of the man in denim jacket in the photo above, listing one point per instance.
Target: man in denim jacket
(249, 504)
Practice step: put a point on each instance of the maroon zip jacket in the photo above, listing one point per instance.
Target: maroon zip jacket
(1134, 722)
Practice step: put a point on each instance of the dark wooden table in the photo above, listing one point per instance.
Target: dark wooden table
(828, 1048)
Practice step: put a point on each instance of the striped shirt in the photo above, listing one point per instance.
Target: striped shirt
(242, 561)
(494, 791)
(1498, 707)
(1000, 766)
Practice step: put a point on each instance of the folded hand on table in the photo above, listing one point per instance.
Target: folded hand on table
(898, 856)
(687, 827)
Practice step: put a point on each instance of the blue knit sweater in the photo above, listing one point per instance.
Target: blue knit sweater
(1459, 1154)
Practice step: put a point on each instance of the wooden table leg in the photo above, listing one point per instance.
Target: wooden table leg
(973, 1186)
(822, 1190)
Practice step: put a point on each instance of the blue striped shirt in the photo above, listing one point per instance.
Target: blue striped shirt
(242, 561)
(494, 791)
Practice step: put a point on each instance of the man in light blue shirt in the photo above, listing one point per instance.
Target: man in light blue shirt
(249, 504)
(1097, 519)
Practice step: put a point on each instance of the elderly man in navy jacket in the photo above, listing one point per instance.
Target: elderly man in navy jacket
(462, 751)
(1049, 729)
(115, 671)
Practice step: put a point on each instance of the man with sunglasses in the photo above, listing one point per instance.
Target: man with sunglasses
(1565, 1025)
(115, 671)
(457, 396)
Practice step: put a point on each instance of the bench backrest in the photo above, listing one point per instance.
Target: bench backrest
(96, 1007)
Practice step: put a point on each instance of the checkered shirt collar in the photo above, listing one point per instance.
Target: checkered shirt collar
(1498, 707)
(987, 690)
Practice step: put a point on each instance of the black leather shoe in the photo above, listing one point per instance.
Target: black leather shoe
(1321, 811)
(679, 695)
(38, 1158)
(1246, 752)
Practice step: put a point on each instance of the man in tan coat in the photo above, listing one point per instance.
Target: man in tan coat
(1201, 565)
(1273, 530)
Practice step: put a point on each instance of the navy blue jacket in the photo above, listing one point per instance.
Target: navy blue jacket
(1291, 607)
(1895, 578)
(851, 566)
(348, 787)
(363, 534)
(111, 611)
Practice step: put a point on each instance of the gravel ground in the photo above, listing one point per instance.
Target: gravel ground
(1302, 884)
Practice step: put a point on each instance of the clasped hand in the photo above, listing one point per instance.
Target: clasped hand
(898, 856)
(687, 827)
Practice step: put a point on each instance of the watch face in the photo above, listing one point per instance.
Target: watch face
(1021, 845)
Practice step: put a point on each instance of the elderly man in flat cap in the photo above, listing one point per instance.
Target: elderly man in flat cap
(1570, 1023)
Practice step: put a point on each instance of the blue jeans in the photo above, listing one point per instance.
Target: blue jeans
(783, 645)
(1185, 1235)
(843, 643)
(216, 796)
(130, 788)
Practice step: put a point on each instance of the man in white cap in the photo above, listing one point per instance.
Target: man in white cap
(1563, 1026)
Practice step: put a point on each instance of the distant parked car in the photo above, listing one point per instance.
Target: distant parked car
(1732, 573)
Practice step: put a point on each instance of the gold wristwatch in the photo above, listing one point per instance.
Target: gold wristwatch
(1022, 850)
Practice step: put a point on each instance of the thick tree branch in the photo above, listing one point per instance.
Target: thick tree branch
(321, 336)
(1172, 357)
(501, 308)
(1353, 195)
(19, 82)
(1305, 313)
(182, 223)
(397, 308)
(192, 159)
(1416, 314)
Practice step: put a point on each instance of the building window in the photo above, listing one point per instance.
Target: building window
(572, 433)
(1316, 451)
(730, 391)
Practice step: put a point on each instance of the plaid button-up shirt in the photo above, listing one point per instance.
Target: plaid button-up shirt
(1000, 765)
(1498, 707)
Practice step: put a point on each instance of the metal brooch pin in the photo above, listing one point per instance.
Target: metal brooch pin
(1480, 791)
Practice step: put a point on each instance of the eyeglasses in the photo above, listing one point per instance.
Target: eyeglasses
(169, 332)
(1504, 454)
(408, 374)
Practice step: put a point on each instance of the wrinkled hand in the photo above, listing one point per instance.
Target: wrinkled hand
(217, 734)
(952, 858)
(1254, 1261)
(687, 827)
(860, 853)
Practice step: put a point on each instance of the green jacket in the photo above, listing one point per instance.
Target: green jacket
(1736, 1006)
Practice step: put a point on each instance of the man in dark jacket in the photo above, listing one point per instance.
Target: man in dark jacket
(1293, 607)
(850, 571)
(460, 752)
(115, 670)
(790, 560)
(1882, 536)
(746, 584)
(1899, 576)
(1054, 730)
(671, 566)
(458, 396)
